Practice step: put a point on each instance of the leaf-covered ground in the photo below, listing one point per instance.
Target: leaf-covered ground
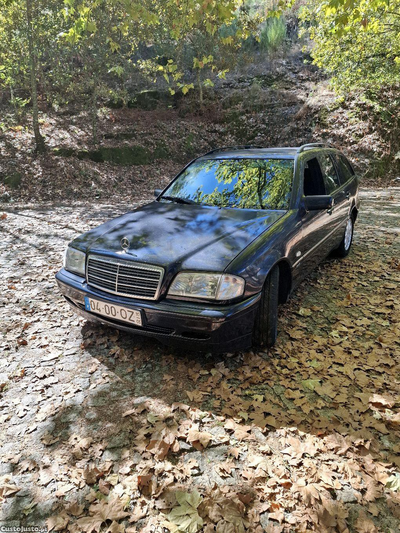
(103, 431)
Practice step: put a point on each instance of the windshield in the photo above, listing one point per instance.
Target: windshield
(242, 183)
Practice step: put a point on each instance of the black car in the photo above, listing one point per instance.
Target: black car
(207, 262)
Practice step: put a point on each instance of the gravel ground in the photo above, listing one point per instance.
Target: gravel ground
(65, 385)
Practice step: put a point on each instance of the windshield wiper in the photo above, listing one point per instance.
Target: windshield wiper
(178, 200)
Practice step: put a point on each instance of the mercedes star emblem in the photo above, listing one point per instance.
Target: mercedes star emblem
(125, 243)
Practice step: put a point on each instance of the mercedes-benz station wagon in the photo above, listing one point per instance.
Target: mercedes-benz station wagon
(206, 263)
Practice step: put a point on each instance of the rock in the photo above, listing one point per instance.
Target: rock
(9, 524)
(68, 416)
(5, 468)
(41, 512)
(118, 441)
(264, 521)
(346, 496)
(184, 445)
(98, 401)
(112, 455)
(207, 460)
(218, 431)
(77, 399)
(258, 435)
(5, 197)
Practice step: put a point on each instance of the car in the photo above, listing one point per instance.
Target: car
(205, 265)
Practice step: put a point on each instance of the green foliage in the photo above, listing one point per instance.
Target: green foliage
(356, 41)
(19, 105)
(207, 38)
(103, 35)
(88, 52)
(273, 34)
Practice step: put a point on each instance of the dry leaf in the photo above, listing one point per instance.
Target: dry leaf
(199, 439)
(7, 488)
(92, 474)
(57, 522)
(381, 401)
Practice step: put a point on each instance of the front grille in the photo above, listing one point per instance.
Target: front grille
(124, 278)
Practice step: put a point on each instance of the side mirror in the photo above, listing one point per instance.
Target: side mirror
(319, 202)
(157, 192)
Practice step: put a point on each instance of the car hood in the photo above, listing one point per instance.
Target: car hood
(185, 236)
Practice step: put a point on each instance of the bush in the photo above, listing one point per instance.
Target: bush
(273, 34)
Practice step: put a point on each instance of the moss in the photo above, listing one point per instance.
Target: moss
(149, 100)
(161, 151)
(271, 81)
(116, 103)
(234, 99)
(125, 155)
(323, 116)
(190, 145)
(121, 135)
(239, 127)
(13, 180)
(64, 152)
(383, 167)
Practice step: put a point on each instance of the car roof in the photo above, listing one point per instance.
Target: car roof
(255, 152)
(251, 153)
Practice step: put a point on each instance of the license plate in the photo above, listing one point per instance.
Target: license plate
(117, 312)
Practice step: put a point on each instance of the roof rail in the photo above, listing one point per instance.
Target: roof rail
(313, 145)
(226, 148)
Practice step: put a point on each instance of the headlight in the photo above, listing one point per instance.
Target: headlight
(207, 286)
(74, 261)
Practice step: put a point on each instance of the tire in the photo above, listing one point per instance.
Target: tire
(344, 247)
(266, 323)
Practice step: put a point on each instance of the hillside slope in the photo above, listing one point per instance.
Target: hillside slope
(284, 102)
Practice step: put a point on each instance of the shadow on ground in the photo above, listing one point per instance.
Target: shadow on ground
(303, 437)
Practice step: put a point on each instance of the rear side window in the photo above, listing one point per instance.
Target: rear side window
(329, 172)
(345, 170)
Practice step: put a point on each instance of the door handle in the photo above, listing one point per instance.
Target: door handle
(347, 195)
(330, 210)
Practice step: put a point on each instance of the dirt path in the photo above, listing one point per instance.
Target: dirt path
(101, 430)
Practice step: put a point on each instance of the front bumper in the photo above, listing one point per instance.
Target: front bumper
(192, 325)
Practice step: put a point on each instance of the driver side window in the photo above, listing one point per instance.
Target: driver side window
(313, 181)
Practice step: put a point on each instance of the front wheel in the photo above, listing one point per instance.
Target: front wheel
(344, 247)
(266, 323)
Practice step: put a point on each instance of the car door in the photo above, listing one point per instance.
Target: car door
(347, 177)
(315, 225)
(341, 205)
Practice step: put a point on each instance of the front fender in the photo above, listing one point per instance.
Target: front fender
(277, 244)
(256, 273)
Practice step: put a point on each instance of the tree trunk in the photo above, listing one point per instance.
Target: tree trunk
(94, 114)
(40, 145)
(200, 88)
